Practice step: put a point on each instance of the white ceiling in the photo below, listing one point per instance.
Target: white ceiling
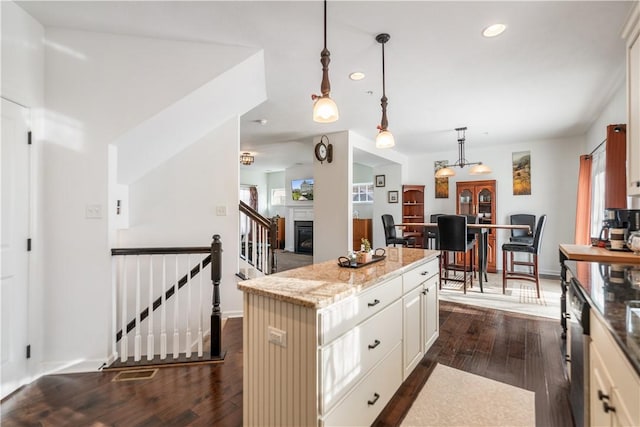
(548, 76)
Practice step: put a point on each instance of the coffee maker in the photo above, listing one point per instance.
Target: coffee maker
(610, 220)
(628, 218)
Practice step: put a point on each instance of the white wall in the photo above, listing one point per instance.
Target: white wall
(23, 82)
(554, 179)
(332, 226)
(175, 205)
(97, 86)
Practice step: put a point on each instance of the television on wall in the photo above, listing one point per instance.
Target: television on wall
(302, 189)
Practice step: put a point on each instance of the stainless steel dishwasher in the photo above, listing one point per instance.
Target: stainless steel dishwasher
(578, 326)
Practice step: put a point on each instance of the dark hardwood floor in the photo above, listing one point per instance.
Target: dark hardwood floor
(515, 349)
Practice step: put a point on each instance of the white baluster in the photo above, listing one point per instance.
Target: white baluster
(188, 335)
(200, 313)
(254, 246)
(114, 306)
(123, 295)
(163, 311)
(137, 348)
(176, 306)
(150, 349)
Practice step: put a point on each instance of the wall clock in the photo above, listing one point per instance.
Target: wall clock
(324, 151)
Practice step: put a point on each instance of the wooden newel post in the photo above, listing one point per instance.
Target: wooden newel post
(273, 243)
(216, 315)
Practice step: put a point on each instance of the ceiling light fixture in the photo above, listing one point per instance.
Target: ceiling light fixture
(325, 109)
(384, 138)
(494, 30)
(477, 168)
(246, 159)
(356, 75)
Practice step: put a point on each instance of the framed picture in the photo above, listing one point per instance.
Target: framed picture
(379, 180)
(521, 170)
(392, 196)
(442, 184)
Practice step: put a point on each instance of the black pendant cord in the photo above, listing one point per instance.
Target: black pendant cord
(325, 24)
(325, 87)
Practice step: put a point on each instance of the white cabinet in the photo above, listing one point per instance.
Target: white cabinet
(614, 391)
(412, 327)
(420, 313)
(631, 33)
(431, 310)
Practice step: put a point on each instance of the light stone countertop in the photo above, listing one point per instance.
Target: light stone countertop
(320, 285)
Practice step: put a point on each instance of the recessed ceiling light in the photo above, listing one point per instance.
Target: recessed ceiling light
(356, 75)
(494, 30)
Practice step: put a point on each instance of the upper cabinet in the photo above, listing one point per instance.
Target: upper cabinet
(630, 33)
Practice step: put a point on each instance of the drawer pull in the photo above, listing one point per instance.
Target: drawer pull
(376, 396)
(602, 396)
(424, 273)
(566, 315)
(567, 358)
(374, 345)
(374, 303)
(607, 408)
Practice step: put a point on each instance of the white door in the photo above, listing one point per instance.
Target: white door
(14, 233)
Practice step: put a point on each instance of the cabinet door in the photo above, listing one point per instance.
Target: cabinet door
(599, 383)
(466, 200)
(412, 330)
(633, 115)
(430, 312)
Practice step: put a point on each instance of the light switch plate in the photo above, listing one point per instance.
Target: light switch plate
(93, 211)
(277, 336)
(221, 210)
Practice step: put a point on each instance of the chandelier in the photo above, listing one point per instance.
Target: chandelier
(246, 159)
(477, 168)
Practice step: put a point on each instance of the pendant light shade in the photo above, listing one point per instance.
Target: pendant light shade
(325, 109)
(477, 168)
(385, 138)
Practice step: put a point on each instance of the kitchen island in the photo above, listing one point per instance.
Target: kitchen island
(330, 345)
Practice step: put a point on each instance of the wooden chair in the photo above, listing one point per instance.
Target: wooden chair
(390, 236)
(533, 249)
(452, 233)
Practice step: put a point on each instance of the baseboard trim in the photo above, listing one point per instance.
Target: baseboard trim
(73, 367)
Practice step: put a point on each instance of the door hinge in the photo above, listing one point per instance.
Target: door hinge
(29, 351)
(28, 245)
(29, 138)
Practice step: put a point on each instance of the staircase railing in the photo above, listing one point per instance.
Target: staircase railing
(154, 278)
(258, 236)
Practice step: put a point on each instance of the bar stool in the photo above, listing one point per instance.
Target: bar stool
(452, 233)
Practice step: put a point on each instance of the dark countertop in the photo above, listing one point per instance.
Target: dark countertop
(609, 288)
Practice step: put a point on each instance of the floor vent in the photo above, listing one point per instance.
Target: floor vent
(135, 375)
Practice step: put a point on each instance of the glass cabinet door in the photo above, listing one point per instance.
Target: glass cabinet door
(466, 202)
(484, 205)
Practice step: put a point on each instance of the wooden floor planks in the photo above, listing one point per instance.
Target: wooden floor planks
(515, 349)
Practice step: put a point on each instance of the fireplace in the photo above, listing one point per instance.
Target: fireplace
(303, 233)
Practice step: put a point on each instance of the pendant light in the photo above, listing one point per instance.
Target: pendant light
(477, 168)
(384, 138)
(325, 109)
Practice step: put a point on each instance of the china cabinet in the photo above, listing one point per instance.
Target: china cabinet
(478, 198)
(362, 229)
(413, 211)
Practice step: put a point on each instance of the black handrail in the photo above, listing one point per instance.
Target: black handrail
(161, 251)
(254, 215)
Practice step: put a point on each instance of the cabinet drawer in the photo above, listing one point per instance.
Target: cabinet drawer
(413, 278)
(347, 359)
(343, 316)
(369, 397)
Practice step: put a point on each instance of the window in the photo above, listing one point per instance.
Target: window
(277, 196)
(362, 192)
(597, 191)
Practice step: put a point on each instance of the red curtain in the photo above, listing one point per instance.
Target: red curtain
(583, 210)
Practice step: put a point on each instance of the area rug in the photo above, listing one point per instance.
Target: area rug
(520, 296)
(456, 398)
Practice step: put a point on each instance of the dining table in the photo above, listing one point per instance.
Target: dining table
(482, 230)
